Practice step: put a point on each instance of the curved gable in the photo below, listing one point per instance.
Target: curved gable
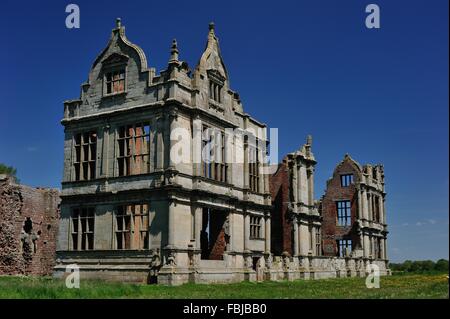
(119, 42)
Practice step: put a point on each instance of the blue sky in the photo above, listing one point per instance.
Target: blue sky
(305, 67)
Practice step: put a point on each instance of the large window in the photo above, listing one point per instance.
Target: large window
(83, 221)
(378, 248)
(134, 149)
(214, 161)
(215, 91)
(85, 155)
(115, 82)
(132, 226)
(344, 247)
(318, 242)
(255, 227)
(346, 180)
(344, 212)
(253, 167)
(376, 209)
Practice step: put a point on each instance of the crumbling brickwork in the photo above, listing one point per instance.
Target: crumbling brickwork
(331, 231)
(281, 231)
(353, 211)
(28, 228)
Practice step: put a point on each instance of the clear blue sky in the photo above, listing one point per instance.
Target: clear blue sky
(306, 67)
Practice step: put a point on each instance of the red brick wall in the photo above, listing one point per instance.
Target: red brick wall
(217, 235)
(17, 203)
(334, 192)
(281, 229)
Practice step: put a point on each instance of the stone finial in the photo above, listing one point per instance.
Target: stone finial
(309, 140)
(118, 22)
(174, 51)
(212, 41)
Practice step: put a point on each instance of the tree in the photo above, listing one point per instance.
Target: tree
(427, 265)
(407, 265)
(441, 265)
(8, 170)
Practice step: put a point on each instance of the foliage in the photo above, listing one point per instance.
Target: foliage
(8, 170)
(420, 266)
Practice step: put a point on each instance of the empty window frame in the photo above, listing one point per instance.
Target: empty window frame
(83, 224)
(215, 91)
(253, 167)
(344, 212)
(255, 227)
(214, 164)
(115, 82)
(376, 208)
(132, 226)
(318, 242)
(377, 252)
(207, 152)
(344, 247)
(346, 180)
(220, 164)
(134, 149)
(85, 155)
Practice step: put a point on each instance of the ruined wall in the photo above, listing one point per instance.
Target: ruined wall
(335, 192)
(281, 229)
(28, 228)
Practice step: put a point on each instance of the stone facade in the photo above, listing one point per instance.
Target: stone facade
(140, 203)
(28, 228)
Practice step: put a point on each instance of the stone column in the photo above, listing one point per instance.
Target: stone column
(299, 182)
(172, 124)
(383, 256)
(159, 143)
(369, 202)
(296, 237)
(365, 204)
(247, 231)
(172, 222)
(268, 235)
(360, 206)
(361, 241)
(295, 182)
(366, 246)
(380, 209)
(313, 241)
(230, 218)
(310, 175)
(198, 226)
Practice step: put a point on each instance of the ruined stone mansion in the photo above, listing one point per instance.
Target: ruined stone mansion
(131, 212)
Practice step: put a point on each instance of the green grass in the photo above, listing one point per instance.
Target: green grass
(405, 286)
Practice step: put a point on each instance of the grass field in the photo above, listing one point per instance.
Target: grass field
(404, 286)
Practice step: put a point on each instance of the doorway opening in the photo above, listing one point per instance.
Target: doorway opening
(213, 240)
